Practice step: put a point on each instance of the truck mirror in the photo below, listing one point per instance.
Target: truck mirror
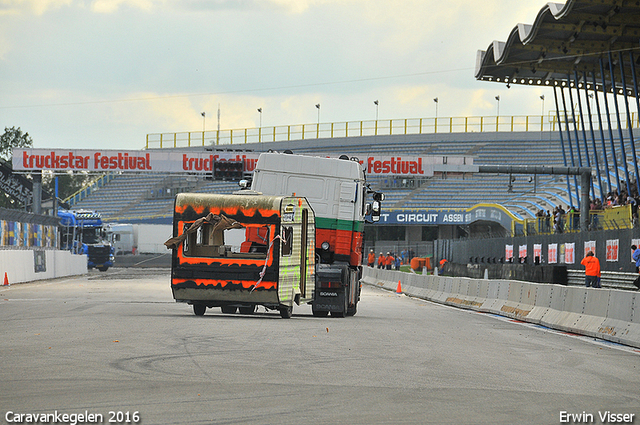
(375, 211)
(378, 196)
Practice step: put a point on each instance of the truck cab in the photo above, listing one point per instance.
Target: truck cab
(82, 233)
(337, 190)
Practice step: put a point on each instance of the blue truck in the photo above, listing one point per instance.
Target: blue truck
(81, 232)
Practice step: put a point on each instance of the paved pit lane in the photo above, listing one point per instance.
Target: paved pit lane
(115, 344)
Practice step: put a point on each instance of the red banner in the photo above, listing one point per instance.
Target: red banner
(126, 161)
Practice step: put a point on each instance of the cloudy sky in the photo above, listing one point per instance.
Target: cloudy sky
(105, 73)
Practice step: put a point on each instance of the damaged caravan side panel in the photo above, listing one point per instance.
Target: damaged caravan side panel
(240, 251)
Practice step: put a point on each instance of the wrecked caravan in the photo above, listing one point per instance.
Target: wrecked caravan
(240, 251)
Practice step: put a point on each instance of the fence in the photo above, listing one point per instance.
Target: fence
(20, 230)
(621, 217)
(403, 126)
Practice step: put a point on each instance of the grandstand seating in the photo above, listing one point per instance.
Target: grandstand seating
(140, 197)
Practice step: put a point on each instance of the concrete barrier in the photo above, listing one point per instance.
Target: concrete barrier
(609, 314)
(497, 296)
(28, 265)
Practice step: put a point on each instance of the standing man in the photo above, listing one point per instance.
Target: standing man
(592, 270)
(388, 261)
(371, 258)
(636, 257)
(381, 260)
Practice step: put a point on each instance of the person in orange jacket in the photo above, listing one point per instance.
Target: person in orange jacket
(371, 258)
(592, 270)
(389, 260)
(381, 261)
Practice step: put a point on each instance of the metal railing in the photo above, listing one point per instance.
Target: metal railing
(95, 184)
(405, 126)
(615, 218)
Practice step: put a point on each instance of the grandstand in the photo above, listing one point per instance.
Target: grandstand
(149, 198)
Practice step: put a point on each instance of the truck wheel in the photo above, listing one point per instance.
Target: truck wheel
(247, 309)
(285, 312)
(199, 309)
(317, 313)
(351, 311)
(103, 269)
(345, 307)
(342, 313)
(228, 309)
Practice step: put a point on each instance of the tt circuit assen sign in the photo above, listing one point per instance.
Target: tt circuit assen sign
(126, 161)
(480, 212)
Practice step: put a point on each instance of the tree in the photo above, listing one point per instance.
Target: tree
(13, 138)
(68, 184)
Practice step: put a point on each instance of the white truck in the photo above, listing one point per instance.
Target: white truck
(337, 190)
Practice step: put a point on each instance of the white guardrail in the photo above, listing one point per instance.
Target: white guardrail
(20, 266)
(608, 314)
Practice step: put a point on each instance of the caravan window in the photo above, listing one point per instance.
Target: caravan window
(250, 241)
(287, 241)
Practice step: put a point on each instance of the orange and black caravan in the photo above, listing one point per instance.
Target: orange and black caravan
(241, 251)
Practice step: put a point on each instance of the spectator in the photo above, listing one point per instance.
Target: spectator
(635, 254)
(592, 270)
(398, 262)
(371, 258)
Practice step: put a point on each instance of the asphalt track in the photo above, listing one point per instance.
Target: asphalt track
(117, 342)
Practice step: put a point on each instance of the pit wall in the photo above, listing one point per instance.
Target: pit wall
(608, 314)
(28, 265)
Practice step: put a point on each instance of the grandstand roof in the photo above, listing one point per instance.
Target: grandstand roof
(565, 38)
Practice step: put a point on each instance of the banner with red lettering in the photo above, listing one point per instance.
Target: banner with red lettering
(175, 161)
(508, 252)
(126, 160)
(589, 246)
(537, 252)
(569, 253)
(552, 253)
(415, 166)
(612, 249)
(522, 251)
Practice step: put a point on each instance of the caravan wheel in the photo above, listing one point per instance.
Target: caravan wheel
(285, 312)
(199, 309)
(229, 309)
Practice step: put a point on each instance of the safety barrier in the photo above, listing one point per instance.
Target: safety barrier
(29, 265)
(608, 314)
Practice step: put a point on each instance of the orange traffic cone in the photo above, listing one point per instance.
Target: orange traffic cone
(6, 280)
(399, 289)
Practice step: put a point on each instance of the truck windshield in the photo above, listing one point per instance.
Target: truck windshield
(91, 236)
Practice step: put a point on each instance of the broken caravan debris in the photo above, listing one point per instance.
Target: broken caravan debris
(240, 251)
(337, 190)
